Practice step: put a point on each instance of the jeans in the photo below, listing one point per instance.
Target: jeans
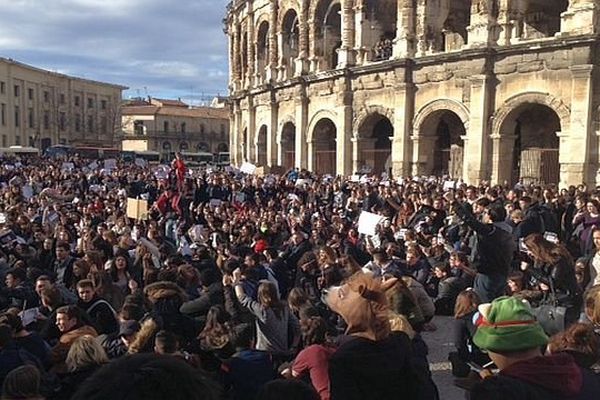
(489, 286)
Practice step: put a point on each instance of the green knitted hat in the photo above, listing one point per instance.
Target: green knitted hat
(507, 325)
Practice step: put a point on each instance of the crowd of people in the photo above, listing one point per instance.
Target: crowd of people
(236, 286)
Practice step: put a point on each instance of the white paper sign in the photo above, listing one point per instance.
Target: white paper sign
(302, 182)
(140, 162)
(111, 163)
(93, 165)
(248, 168)
(67, 166)
(367, 223)
(449, 185)
(27, 191)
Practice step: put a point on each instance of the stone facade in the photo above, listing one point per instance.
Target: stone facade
(167, 126)
(478, 89)
(41, 108)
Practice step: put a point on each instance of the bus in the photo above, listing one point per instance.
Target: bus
(151, 157)
(197, 159)
(19, 151)
(93, 153)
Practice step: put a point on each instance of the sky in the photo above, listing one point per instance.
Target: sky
(159, 48)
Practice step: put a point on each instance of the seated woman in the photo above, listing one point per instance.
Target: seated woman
(448, 289)
(463, 330)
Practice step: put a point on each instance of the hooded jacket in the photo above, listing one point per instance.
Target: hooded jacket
(555, 377)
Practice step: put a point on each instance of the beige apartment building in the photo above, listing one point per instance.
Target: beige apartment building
(41, 108)
(496, 90)
(167, 126)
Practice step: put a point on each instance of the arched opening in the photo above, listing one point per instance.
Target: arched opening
(261, 146)
(291, 32)
(328, 33)
(262, 49)
(375, 144)
(538, 18)
(45, 143)
(454, 31)
(203, 147)
(534, 156)
(222, 148)
(324, 147)
(166, 150)
(183, 146)
(381, 21)
(288, 145)
(441, 147)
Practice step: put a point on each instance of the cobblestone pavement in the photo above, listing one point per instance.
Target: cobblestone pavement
(440, 345)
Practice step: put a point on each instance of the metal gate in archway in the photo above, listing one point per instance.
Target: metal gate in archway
(325, 161)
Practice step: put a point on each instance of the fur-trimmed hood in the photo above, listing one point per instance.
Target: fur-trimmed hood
(164, 290)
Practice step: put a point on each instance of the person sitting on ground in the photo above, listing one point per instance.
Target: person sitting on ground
(580, 341)
(70, 322)
(508, 331)
(11, 356)
(101, 313)
(448, 289)
(165, 343)
(22, 383)
(247, 370)
(85, 357)
(147, 377)
(30, 341)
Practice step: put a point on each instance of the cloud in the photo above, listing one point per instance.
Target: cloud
(165, 47)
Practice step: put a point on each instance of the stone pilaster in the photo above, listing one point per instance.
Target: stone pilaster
(576, 139)
(344, 129)
(476, 140)
(483, 30)
(272, 61)
(581, 18)
(251, 138)
(250, 48)
(301, 102)
(405, 32)
(272, 133)
(502, 158)
(303, 40)
(403, 117)
(347, 55)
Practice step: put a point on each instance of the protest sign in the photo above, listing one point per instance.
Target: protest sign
(248, 168)
(367, 223)
(110, 164)
(137, 209)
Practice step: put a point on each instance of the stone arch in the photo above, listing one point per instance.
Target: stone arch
(289, 119)
(454, 106)
(291, 5)
(319, 115)
(368, 111)
(545, 99)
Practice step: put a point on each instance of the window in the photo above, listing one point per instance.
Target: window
(18, 140)
(138, 127)
(202, 129)
(30, 117)
(62, 121)
(30, 94)
(166, 126)
(103, 125)
(183, 127)
(62, 98)
(222, 129)
(3, 114)
(77, 123)
(46, 120)
(103, 104)
(90, 103)
(17, 116)
(17, 90)
(90, 124)
(76, 100)
(2, 87)
(46, 96)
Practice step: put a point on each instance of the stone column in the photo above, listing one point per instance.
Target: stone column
(251, 58)
(575, 140)
(344, 128)
(236, 59)
(483, 30)
(301, 145)
(303, 39)
(403, 117)
(505, 24)
(355, 153)
(581, 18)
(476, 140)
(405, 30)
(347, 55)
(251, 138)
(360, 20)
(423, 148)
(281, 67)
(272, 133)
(502, 158)
(272, 61)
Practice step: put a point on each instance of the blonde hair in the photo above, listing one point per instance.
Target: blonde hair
(85, 352)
